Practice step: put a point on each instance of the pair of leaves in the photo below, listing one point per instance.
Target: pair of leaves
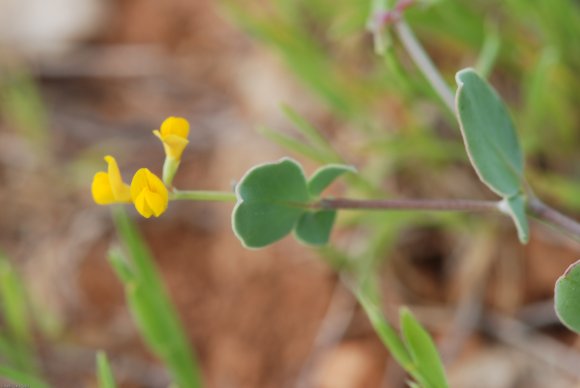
(275, 199)
(414, 349)
(492, 145)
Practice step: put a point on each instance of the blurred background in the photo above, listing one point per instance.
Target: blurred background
(80, 79)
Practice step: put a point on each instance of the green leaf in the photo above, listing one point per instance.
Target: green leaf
(490, 50)
(516, 208)
(387, 335)
(429, 367)
(16, 336)
(14, 302)
(314, 227)
(22, 106)
(161, 329)
(566, 297)
(142, 263)
(155, 329)
(150, 305)
(104, 372)
(271, 199)
(320, 144)
(489, 134)
(292, 144)
(120, 266)
(22, 378)
(325, 175)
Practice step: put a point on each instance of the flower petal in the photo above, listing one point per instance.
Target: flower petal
(139, 183)
(175, 126)
(119, 188)
(174, 146)
(156, 185)
(157, 203)
(149, 194)
(141, 204)
(101, 189)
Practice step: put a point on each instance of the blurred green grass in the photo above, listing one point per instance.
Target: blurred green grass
(528, 50)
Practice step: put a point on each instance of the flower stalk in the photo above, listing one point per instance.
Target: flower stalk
(203, 195)
(173, 134)
(170, 167)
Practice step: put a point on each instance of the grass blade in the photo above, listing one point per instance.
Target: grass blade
(104, 372)
(429, 368)
(14, 302)
(21, 378)
(151, 307)
(386, 333)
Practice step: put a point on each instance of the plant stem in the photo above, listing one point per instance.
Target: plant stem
(424, 63)
(170, 167)
(203, 195)
(536, 209)
(543, 212)
(409, 204)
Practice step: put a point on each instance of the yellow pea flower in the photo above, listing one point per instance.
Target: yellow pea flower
(108, 187)
(148, 193)
(173, 134)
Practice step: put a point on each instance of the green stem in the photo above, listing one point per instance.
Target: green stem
(203, 195)
(170, 167)
(424, 63)
(551, 216)
(536, 209)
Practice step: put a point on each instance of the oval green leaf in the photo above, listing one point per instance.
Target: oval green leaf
(271, 199)
(314, 228)
(567, 296)
(489, 134)
(325, 175)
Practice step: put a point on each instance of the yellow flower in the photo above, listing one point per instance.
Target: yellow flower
(173, 134)
(148, 193)
(108, 187)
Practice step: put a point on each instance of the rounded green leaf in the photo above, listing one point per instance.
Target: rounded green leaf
(567, 297)
(489, 134)
(325, 175)
(314, 228)
(271, 199)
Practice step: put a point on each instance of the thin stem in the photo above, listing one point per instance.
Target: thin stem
(169, 169)
(424, 63)
(551, 216)
(203, 195)
(408, 204)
